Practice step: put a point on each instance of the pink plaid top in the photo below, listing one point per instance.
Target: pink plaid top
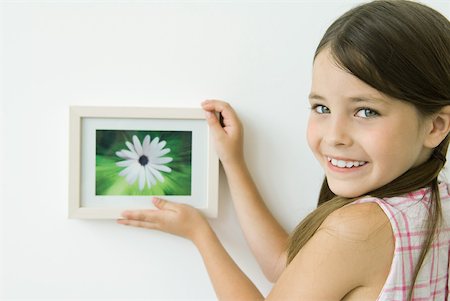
(407, 215)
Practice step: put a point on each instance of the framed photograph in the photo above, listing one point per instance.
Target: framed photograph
(120, 157)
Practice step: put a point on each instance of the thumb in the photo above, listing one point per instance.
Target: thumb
(213, 122)
(162, 204)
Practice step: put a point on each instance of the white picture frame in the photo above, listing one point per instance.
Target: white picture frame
(98, 191)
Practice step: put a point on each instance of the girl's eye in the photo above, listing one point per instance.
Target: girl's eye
(366, 113)
(321, 109)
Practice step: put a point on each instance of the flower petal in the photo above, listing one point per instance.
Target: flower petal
(125, 171)
(162, 144)
(156, 173)
(133, 173)
(126, 154)
(146, 145)
(130, 146)
(161, 167)
(150, 178)
(154, 146)
(125, 163)
(141, 178)
(164, 152)
(121, 155)
(161, 160)
(129, 169)
(137, 145)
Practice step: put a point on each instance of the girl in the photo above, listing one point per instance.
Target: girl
(379, 124)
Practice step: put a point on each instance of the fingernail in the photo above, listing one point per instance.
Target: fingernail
(208, 114)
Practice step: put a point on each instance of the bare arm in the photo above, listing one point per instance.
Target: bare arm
(228, 280)
(265, 236)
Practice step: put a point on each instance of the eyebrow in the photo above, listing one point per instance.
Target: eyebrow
(362, 98)
(315, 96)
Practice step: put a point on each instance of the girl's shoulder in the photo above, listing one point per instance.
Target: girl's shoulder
(365, 222)
(349, 255)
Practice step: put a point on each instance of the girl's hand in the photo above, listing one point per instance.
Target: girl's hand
(228, 139)
(178, 219)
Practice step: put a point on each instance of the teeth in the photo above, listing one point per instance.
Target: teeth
(346, 164)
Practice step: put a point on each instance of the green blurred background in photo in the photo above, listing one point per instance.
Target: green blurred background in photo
(108, 181)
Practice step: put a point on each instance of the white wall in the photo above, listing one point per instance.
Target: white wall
(55, 54)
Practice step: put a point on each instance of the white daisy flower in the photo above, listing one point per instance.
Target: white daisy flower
(144, 162)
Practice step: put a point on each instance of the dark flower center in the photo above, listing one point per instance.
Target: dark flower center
(143, 160)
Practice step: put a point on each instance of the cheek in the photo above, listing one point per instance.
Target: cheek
(378, 144)
(390, 149)
(312, 134)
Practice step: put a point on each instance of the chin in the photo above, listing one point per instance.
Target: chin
(347, 192)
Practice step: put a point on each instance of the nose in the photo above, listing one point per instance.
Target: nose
(339, 132)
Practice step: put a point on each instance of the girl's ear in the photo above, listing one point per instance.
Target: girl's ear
(439, 128)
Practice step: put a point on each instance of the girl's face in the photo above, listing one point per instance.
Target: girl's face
(362, 139)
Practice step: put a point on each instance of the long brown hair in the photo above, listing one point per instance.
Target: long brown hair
(402, 49)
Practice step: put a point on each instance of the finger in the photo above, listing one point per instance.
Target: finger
(219, 106)
(213, 122)
(227, 113)
(142, 215)
(139, 224)
(211, 104)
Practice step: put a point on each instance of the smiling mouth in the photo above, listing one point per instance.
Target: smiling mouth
(346, 164)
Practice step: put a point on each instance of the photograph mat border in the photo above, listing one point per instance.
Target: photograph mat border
(77, 113)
